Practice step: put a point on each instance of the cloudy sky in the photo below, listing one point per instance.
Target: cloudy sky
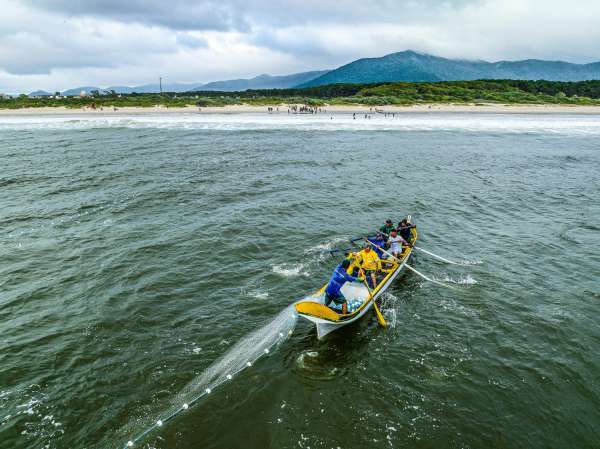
(58, 44)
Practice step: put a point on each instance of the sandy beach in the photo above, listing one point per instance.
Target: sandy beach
(487, 108)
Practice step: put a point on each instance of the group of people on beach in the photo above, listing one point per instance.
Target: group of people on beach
(366, 266)
(304, 109)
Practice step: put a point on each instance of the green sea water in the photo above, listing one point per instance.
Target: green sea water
(137, 251)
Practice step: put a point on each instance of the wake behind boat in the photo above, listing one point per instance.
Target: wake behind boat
(359, 297)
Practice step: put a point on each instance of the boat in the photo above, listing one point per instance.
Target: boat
(327, 320)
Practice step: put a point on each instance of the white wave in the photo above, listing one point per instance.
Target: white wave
(470, 122)
(290, 270)
(465, 280)
(320, 252)
(325, 246)
(259, 294)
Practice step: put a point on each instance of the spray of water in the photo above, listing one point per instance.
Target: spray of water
(463, 280)
(241, 356)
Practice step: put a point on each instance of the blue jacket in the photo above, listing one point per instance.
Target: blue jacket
(337, 281)
(378, 242)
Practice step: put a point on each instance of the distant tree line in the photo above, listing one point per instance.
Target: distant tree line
(399, 93)
(589, 89)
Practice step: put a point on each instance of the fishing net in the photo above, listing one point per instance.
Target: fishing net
(241, 356)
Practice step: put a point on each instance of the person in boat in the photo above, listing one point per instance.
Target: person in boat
(354, 260)
(380, 241)
(386, 228)
(396, 243)
(404, 229)
(336, 282)
(370, 263)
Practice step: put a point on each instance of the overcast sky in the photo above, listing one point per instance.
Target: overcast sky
(58, 44)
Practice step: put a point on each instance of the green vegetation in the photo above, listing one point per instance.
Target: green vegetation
(404, 93)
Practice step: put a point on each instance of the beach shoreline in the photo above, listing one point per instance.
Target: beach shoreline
(489, 108)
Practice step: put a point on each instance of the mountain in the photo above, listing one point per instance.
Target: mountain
(259, 82)
(262, 82)
(153, 88)
(411, 66)
(77, 90)
(39, 93)
(146, 88)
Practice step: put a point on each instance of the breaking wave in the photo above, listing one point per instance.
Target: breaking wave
(513, 123)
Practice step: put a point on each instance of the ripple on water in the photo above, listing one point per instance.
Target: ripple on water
(311, 365)
(33, 418)
(123, 234)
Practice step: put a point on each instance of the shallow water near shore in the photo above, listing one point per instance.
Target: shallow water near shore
(138, 251)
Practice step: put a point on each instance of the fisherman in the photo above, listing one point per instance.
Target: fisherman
(370, 263)
(396, 242)
(404, 228)
(333, 291)
(387, 228)
(379, 239)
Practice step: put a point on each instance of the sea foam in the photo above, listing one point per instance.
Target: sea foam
(405, 121)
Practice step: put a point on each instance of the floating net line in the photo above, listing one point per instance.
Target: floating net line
(241, 356)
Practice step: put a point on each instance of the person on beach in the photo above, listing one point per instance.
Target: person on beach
(370, 263)
(333, 292)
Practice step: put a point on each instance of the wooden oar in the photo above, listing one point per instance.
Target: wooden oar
(436, 256)
(378, 313)
(421, 249)
(428, 279)
(409, 267)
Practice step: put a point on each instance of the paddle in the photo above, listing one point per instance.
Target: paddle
(436, 256)
(380, 318)
(408, 266)
(421, 249)
(426, 278)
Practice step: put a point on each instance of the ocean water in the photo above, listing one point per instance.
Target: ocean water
(145, 259)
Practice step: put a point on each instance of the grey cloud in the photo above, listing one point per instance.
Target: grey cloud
(240, 15)
(174, 14)
(46, 42)
(126, 39)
